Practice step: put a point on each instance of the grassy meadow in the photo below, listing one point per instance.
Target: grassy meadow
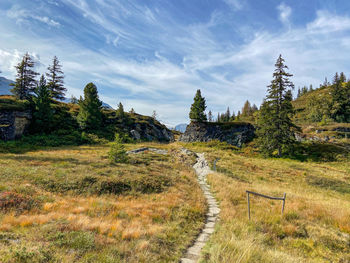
(69, 204)
(315, 226)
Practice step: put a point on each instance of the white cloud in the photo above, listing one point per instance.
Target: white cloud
(326, 22)
(285, 13)
(22, 15)
(227, 74)
(235, 4)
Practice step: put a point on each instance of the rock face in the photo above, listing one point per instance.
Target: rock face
(232, 133)
(13, 124)
(151, 132)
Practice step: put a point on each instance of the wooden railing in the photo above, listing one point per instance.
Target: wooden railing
(265, 196)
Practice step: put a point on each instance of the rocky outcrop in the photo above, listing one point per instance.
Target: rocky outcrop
(233, 133)
(151, 131)
(13, 124)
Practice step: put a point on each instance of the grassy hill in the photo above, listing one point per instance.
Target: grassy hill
(315, 226)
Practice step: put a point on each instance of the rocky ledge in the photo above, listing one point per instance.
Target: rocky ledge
(234, 133)
(13, 123)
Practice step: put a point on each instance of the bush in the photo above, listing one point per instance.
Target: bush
(117, 153)
(12, 200)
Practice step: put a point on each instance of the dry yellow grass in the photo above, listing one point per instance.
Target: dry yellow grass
(316, 223)
(71, 222)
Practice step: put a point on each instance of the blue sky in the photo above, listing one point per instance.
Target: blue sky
(154, 54)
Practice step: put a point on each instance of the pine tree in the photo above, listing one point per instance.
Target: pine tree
(197, 108)
(120, 111)
(227, 115)
(154, 115)
(276, 129)
(55, 78)
(210, 116)
(117, 152)
(299, 93)
(43, 113)
(254, 108)
(74, 100)
(340, 99)
(218, 117)
(238, 115)
(25, 83)
(132, 111)
(233, 116)
(342, 77)
(90, 115)
(247, 109)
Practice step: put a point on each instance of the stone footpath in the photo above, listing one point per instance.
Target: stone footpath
(202, 170)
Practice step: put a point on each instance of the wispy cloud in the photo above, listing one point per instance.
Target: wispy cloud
(327, 22)
(235, 4)
(149, 58)
(285, 13)
(22, 15)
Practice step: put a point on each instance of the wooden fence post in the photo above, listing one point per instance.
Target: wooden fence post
(283, 199)
(248, 200)
(217, 159)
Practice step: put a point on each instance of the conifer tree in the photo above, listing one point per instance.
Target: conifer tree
(218, 117)
(233, 116)
(238, 117)
(210, 116)
(247, 109)
(55, 78)
(254, 108)
(276, 129)
(74, 100)
(117, 152)
(227, 115)
(198, 107)
(120, 111)
(43, 113)
(154, 115)
(342, 77)
(90, 115)
(340, 93)
(25, 83)
(132, 111)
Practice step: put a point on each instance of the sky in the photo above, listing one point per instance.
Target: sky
(154, 54)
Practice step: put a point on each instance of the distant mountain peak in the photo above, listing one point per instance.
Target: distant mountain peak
(181, 127)
(5, 88)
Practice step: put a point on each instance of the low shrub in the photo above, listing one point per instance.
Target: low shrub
(11, 200)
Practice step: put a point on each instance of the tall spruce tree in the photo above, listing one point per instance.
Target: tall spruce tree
(340, 93)
(120, 111)
(198, 107)
(55, 78)
(25, 83)
(90, 115)
(210, 116)
(247, 109)
(227, 115)
(43, 113)
(275, 127)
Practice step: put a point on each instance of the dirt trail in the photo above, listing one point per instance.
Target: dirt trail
(202, 170)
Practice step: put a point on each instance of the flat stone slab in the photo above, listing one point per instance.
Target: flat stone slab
(140, 150)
